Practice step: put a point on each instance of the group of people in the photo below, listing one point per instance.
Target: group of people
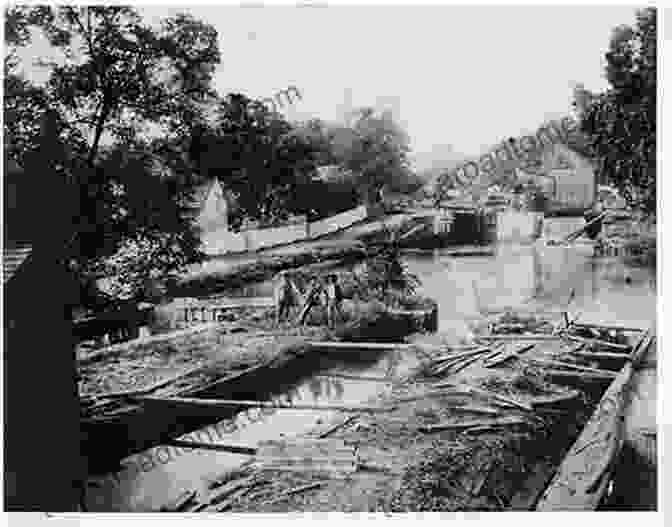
(328, 293)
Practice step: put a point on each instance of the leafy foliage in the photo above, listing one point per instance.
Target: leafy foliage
(256, 154)
(387, 275)
(376, 149)
(621, 122)
(117, 80)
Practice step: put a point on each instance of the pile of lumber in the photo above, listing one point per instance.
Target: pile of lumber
(459, 358)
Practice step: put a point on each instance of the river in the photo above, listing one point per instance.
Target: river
(605, 290)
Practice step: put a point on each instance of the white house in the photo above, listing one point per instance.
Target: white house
(210, 207)
(573, 177)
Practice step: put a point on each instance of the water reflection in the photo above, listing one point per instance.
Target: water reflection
(535, 275)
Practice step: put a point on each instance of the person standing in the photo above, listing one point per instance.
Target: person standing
(594, 230)
(334, 296)
(312, 299)
(286, 296)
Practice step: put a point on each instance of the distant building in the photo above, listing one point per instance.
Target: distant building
(210, 206)
(573, 178)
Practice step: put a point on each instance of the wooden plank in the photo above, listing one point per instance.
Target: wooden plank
(495, 361)
(522, 337)
(502, 421)
(337, 426)
(624, 329)
(291, 492)
(180, 502)
(308, 455)
(221, 493)
(453, 356)
(576, 376)
(476, 410)
(460, 361)
(187, 403)
(358, 345)
(354, 377)
(582, 478)
(486, 393)
(601, 355)
(641, 349)
(471, 360)
(598, 342)
(234, 449)
(577, 367)
(554, 400)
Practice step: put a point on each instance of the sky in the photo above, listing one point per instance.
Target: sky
(457, 77)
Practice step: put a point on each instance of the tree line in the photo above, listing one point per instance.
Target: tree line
(620, 123)
(141, 126)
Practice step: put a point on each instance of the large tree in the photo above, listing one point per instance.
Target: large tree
(621, 122)
(256, 154)
(377, 149)
(115, 83)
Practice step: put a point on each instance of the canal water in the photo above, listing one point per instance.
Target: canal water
(535, 275)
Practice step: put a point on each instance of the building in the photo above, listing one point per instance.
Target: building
(572, 179)
(43, 466)
(209, 207)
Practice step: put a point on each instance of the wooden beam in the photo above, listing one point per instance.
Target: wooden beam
(467, 388)
(582, 478)
(359, 345)
(640, 350)
(453, 356)
(470, 360)
(502, 421)
(345, 422)
(332, 455)
(506, 355)
(297, 490)
(234, 449)
(564, 375)
(521, 338)
(601, 355)
(598, 342)
(180, 502)
(354, 377)
(188, 403)
(607, 327)
(576, 367)
(553, 400)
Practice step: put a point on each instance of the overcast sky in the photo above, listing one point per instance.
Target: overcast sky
(461, 76)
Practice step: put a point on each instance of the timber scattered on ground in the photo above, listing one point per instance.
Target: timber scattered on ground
(523, 403)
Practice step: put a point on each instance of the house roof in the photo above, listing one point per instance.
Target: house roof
(193, 205)
(13, 257)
